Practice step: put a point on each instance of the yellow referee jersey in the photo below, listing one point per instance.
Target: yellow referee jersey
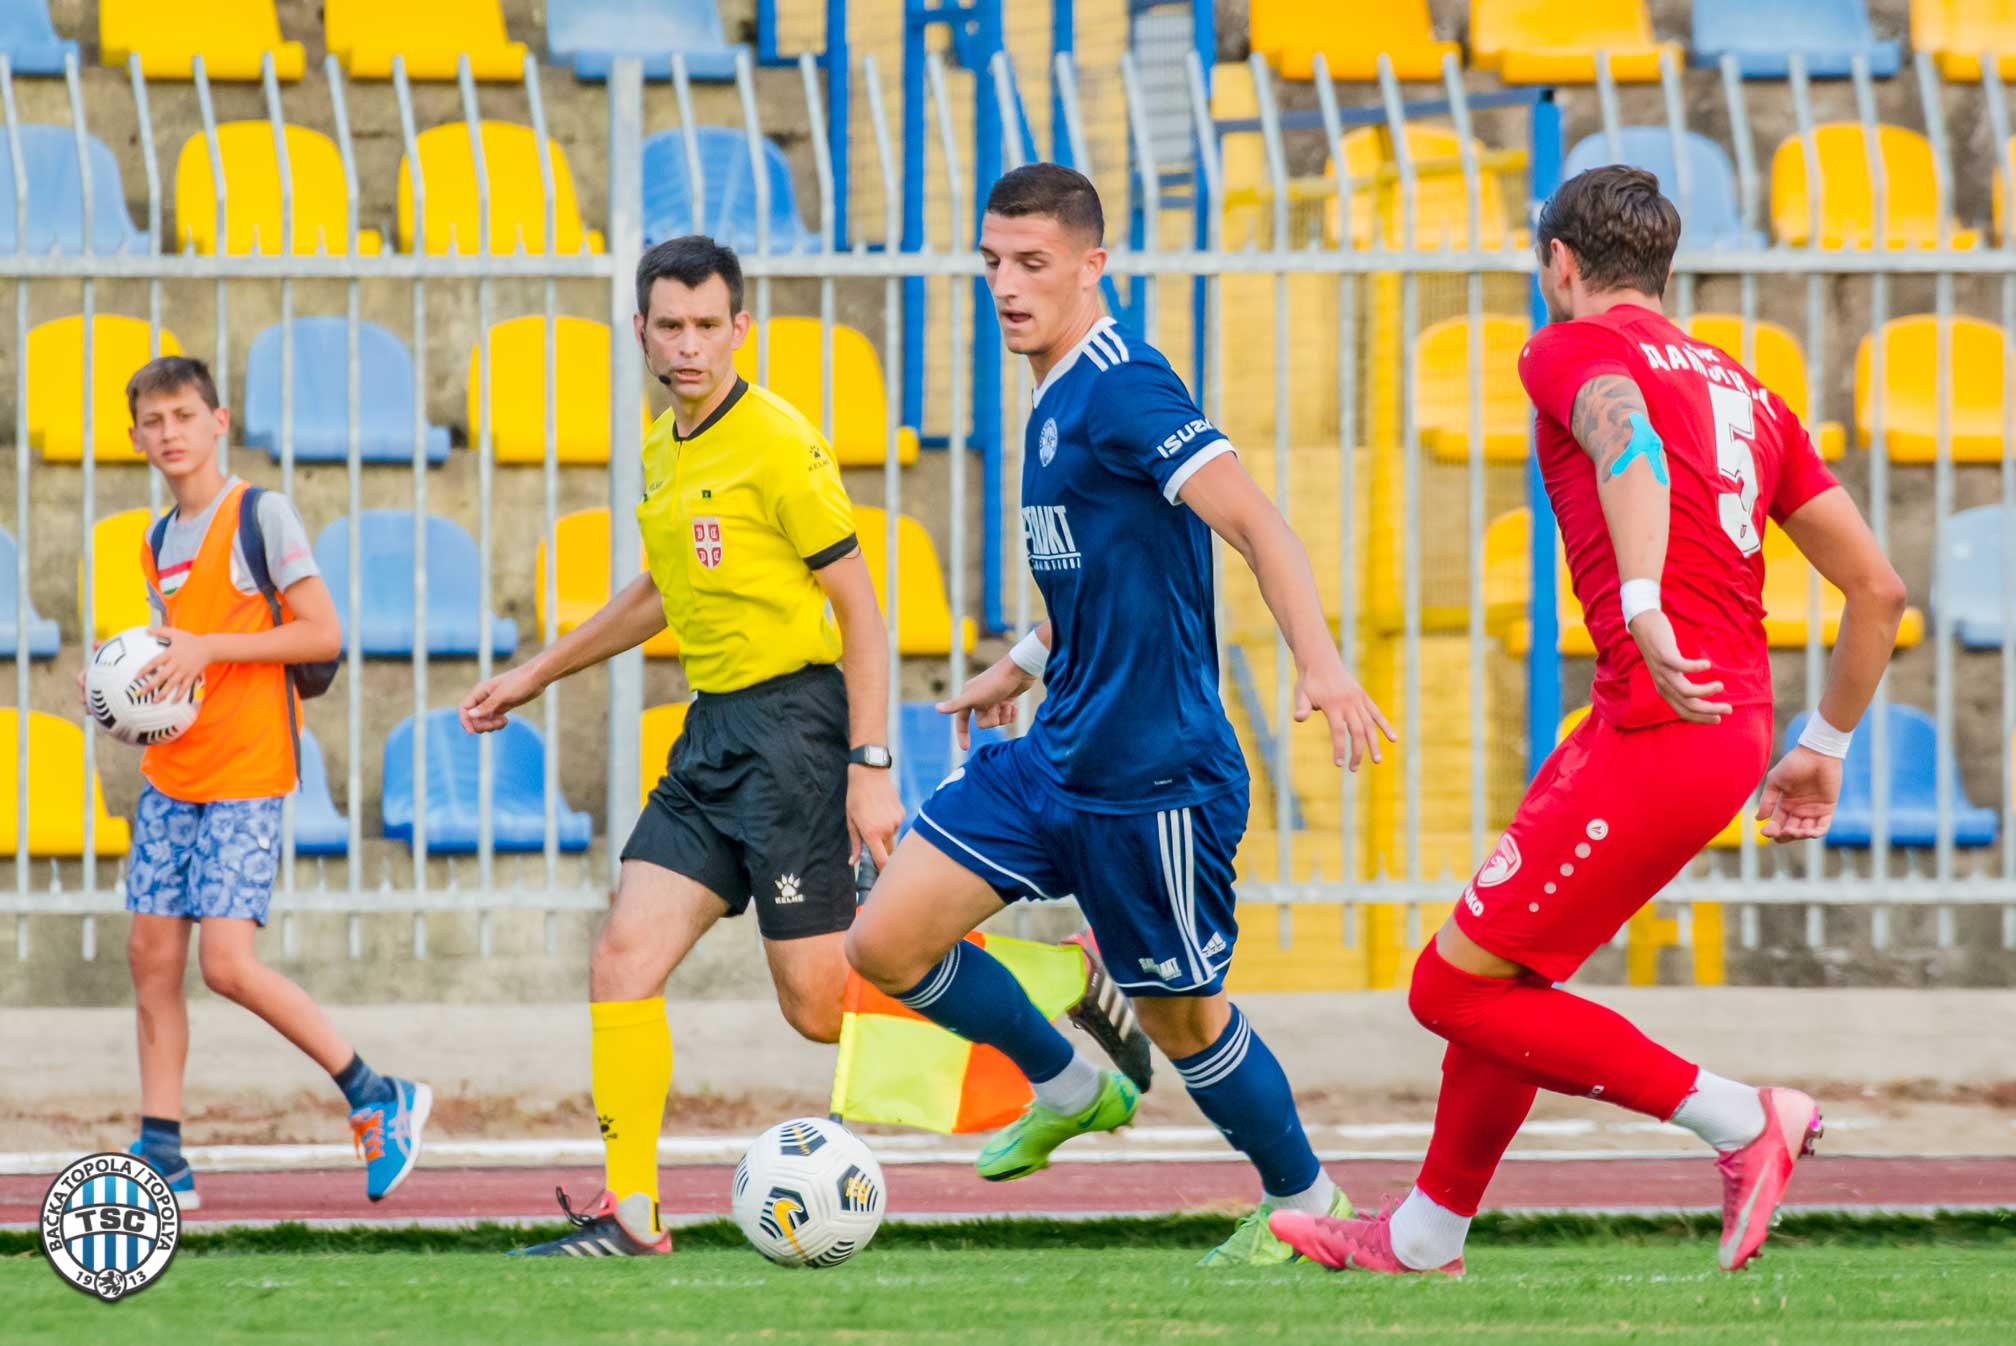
(735, 519)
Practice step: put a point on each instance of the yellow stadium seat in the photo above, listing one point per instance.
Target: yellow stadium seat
(1508, 588)
(1957, 32)
(1779, 365)
(1441, 199)
(1999, 201)
(118, 586)
(1787, 578)
(517, 201)
(1268, 23)
(1553, 42)
(518, 390)
(582, 538)
(1443, 387)
(1290, 33)
(1847, 203)
(56, 804)
(56, 386)
(252, 205)
(924, 622)
(366, 34)
(860, 395)
(1911, 390)
(230, 35)
(657, 731)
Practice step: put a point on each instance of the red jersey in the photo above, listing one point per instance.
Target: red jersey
(1734, 453)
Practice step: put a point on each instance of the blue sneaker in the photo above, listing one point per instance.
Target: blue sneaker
(182, 1182)
(390, 1145)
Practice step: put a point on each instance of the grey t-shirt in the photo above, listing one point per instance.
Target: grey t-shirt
(289, 557)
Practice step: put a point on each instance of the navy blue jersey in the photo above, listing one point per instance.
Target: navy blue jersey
(1131, 721)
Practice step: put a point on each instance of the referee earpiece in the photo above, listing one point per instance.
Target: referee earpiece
(647, 363)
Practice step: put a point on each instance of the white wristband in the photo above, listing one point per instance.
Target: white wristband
(1030, 654)
(1638, 596)
(1824, 738)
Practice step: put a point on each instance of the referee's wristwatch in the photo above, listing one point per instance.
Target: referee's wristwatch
(871, 754)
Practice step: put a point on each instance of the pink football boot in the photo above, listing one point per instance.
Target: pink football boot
(1359, 1244)
(1754, 1178)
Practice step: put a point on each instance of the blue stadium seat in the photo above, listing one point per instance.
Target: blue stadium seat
(1973, 578)
(589, 34)
(926, 759)
(42, 635)
(387, 625)
(517, 799)
(1914, 812)
(322, 399)
(318, 828)
(729, 199)
(1828, 33)
(29, 38)
(56, 196)
(1712, 218)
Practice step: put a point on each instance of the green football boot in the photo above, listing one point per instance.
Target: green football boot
(1024, 1145)
(1253, 1244)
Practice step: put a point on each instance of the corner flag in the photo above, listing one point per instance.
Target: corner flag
(897, 1066)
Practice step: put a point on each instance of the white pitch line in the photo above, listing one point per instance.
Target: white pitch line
(203, 1225)
(1136, 1143)
(688, 1150)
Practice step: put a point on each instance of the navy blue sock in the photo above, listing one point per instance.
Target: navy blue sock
(971, 994)
(161, 1141)
(1241, 1087)
(363, 1086)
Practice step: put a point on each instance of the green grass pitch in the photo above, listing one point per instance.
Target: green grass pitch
(1108, 1284)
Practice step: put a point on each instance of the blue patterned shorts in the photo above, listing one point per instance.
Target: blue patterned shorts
(197, 860)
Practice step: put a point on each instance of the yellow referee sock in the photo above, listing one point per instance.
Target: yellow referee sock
(631, 1068)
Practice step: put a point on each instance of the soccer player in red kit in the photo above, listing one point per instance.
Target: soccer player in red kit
(1662, 457)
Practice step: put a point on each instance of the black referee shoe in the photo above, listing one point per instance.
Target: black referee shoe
(1105, 1012)
(600, 1231)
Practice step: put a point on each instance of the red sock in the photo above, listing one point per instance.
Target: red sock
(1480, 1109)
(1556, 1040)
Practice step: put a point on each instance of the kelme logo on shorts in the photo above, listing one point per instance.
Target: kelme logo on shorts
(1502, 865)
(110, 1225)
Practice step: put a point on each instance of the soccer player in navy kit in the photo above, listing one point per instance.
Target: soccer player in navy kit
(1129, 790)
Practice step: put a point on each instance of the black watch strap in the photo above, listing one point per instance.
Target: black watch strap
(871, 754)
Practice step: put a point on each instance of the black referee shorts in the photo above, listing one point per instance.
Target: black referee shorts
(753, 803)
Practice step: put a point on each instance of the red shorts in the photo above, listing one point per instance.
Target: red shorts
(1613, 815)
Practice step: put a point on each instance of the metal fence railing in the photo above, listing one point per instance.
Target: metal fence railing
(1366, 230)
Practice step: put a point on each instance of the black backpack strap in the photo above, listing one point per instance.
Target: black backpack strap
(157, 537)
(252, 542)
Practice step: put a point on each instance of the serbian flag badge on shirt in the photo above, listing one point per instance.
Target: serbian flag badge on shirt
(707, 539)
(173, 576)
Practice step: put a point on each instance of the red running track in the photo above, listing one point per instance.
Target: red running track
(1144, 1187)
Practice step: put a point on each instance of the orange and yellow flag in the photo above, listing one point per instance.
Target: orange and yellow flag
(898, 1067)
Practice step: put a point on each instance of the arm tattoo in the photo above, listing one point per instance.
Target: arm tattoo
(1609, 421)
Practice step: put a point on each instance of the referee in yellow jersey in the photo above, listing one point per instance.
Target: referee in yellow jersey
(781, 775)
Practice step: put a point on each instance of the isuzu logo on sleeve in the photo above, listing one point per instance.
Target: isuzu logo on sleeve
(707, 539)
(110, 1225)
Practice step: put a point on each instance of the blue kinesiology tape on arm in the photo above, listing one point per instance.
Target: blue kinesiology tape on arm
(1646, 444)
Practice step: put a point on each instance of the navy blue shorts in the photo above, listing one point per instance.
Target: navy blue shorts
(1156, 887)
